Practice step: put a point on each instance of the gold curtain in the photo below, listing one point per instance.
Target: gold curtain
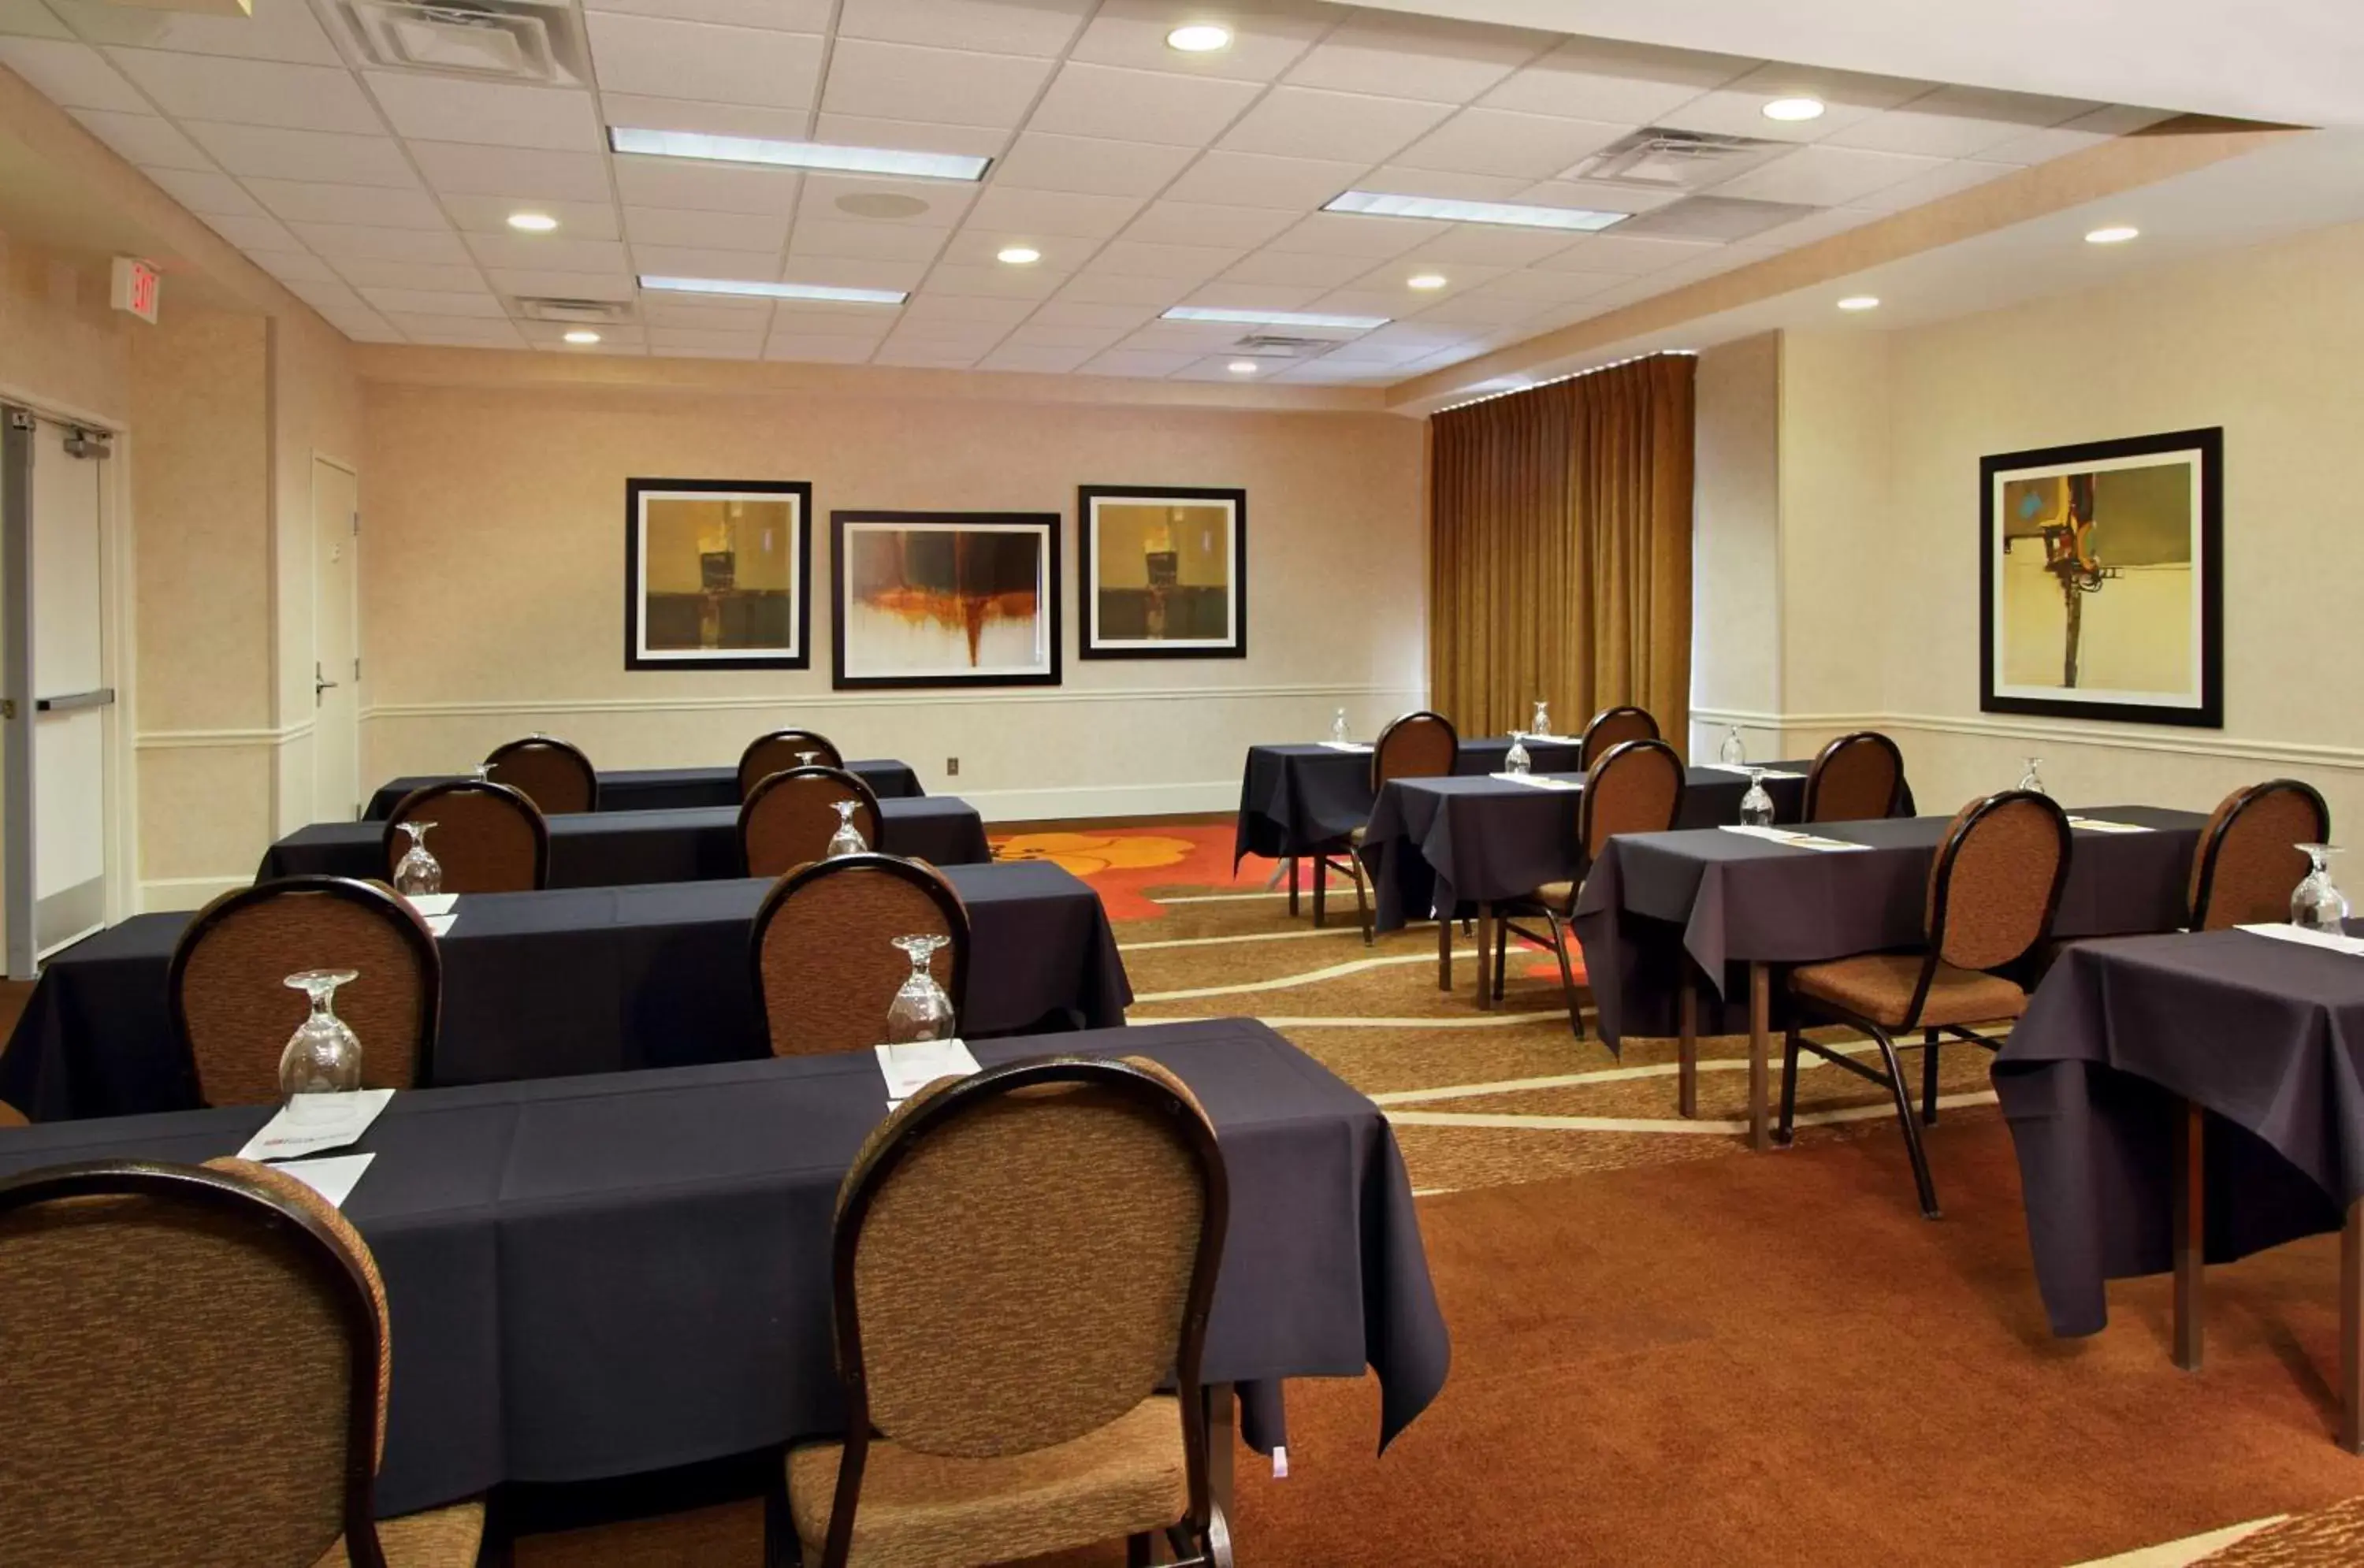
(1560, 560)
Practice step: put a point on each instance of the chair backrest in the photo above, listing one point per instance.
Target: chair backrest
(1855, 778)
(488, 838)
(779, 752)
(1635, 787)
(1420, 745)
(230, 1006)
(1080, 1204)
(1996, 881)
(552, 773)
(1612, 728)
(823, 951)
(2246, 863)
(201, 1378)
(11, 1117)
(787, 820)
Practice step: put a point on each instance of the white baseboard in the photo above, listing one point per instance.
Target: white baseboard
(1121, 801)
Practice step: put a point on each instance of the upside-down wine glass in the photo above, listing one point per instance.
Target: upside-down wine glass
(1516, 761)
(2316, 903)
(2031, 781)
(324, 1055)
(1541, 731)
(806, 759)
(848, 839)
(417, 873)
(1733, 753)
(921, 1010)
(1338, 727)
(1756, 806)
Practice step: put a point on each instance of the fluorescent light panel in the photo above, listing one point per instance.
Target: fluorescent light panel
(1274, 317)
(776, 291)
(1380, 204)
(797, 154)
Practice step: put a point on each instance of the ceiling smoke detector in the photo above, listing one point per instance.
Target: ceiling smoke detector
(1663, 159)
(538, 41)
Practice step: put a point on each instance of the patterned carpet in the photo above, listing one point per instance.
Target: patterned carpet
(1477, 1099)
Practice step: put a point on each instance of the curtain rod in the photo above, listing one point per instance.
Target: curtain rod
(1572, 376)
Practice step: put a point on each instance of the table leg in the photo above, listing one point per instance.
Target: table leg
(1687, 1049)
(2352, 1330)
(2190, 1237)
(1484, 958)
(1445, 950)
(1760, 1046)
(1292, 887)
(1222, 1422)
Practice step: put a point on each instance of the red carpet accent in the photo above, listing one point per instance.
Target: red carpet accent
(1122, 863)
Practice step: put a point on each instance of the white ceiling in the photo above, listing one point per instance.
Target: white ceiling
(1147, 178)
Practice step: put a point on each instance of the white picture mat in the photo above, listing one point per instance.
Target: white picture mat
(873, 631)
(795, 646)
(1231, 510)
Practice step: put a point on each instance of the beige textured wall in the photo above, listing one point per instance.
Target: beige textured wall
(1737, 551)
(59, 344)
(493, 591)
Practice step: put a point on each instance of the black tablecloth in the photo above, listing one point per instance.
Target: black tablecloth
(1294, 799)
(596, 1278)
(541, 984)
(669, 789)
(620, 848)
(1727, 898)
(1482, 840)
(2266, 1035)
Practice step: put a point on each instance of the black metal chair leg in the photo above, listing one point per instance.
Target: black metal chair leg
(1783, 1131)
(1363, 911)
(1928, 1188)
(1929, 1039)
(1566, 975)
(1136, 1552)
(1292, 886)
(1321, 890)
(1502, 954)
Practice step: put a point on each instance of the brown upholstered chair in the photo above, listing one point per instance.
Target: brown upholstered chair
(1636, 786)
(1080, 1204)
(233, 1012)
(487, 837)
(2245, 864)
(1612, 728)
(207, 1386)
(787, 820)
(552, 773)
(1994, 889)
(1420, 745)
(823, 953)
(11, 1117)
(781, 750)
(1855, 778)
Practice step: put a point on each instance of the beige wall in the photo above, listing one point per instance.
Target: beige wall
(59, 344)
(316, 411)
(1736, 544)
(493, 593)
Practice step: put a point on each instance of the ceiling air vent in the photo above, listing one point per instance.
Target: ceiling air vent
(1663, 159)
(538, 41)
(577, 312)
(1276, 346)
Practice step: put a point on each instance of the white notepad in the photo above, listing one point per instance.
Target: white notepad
(314, 1129)
(1793, 838)
(909, 1069)
(441, 924)
(2099, 825)
(2299, 934)
(1346, 746)
(1537, 781)
(428, 906)
(333, 1178)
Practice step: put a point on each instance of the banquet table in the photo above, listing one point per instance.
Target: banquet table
(596, 1277)
(2184, 1099)
(542, 985)
(1294, 799)
(1658, 909)
(668, 789)
(616, 849)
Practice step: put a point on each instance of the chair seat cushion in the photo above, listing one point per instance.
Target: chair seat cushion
(439, 1538)
(1879, 986)
(921, 1511)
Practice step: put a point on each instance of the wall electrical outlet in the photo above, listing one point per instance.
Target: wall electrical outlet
(951, 767)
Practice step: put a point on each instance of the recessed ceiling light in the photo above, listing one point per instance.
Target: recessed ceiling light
(1243, 367)
(1799, 108)
(581, 335)
(797, 154)
(1199, 38)
(1019, 255)
(1425, 281)
(1860, 302)
(776, 291)
(2116, 234)
(1380, 203)
(1274, 317)
(532, 222)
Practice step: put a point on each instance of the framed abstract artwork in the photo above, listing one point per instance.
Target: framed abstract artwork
(2101, 590)
(716, 574)
(946, 598)
(1162, 573)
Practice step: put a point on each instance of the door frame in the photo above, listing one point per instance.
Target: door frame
(353, 579)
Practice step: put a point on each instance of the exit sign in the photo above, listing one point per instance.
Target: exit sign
(138, 288)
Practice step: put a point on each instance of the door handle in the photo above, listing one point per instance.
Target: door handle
(320, 685)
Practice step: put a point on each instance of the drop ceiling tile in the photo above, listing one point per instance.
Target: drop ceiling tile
(1329, 371)
(1959, 174)
(705, 345)
(1832, 220)
(848, 197)
(971, 313)
(1620, 253)
(258, 232)
(1151, 294)
(1500, 142)
(893, 80)
(340, 241)
(686, 261)
(150, 141)
(461, 171)
(1487, 245)
(1086, 166)
(1183, 263)
(818, 351)
(1044, 335)
(1117, 315)
(548, 253)
(1217, 367)
(1387, 303)
(363, 326)
(1300, 268)
(1305, 123)
(644, 113)
(433, 302)
(72, 76)
(1259, 180)
(1601, 78)
(908, 135)
(1132, 362)
(715, 313)
(688, 186)
(250, 92)
(1352, 234)
(1033, 357)
(1400, 55)
(330, 157)
(1738, 107)
(490, 214)
(2074, 136)
(438, 275)
(785, 15)
(1395, 276)
(853, 241)
(1958, 122)
(669, 58)
(614, 338)
(818, 318)
(294, 266)
(205, 194)
(1548, 288)
(1003, 26)
(927, 355)
(32, 20)
(313, 201)
(712, 230)
(1268, 37)
(1056, 213)
(1824, 176)
(278, 29)
(329, 295)
(520, 283)
(1398, 180)
(1110, 102)
(1196, 223)
(1599, 195)
(1475, 309)
(445, 108)
(836, 271)
(977, 245)
(1221, 296)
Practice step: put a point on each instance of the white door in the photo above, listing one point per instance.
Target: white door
(337, 670)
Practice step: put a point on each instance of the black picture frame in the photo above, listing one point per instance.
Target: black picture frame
(637, 653)
(2206, 448)
(1089, 643)
(1044, 526)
